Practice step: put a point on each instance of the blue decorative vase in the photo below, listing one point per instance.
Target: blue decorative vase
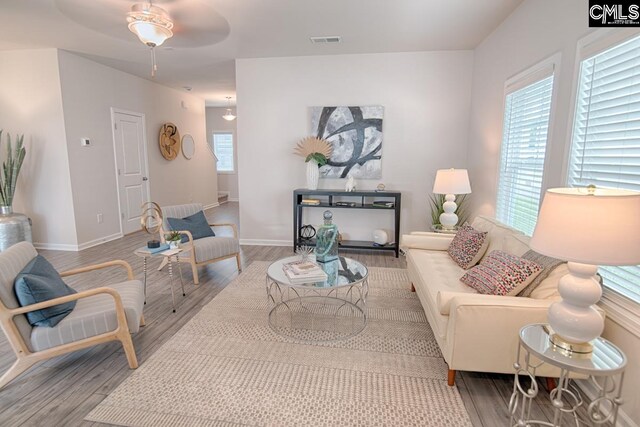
(327, 240)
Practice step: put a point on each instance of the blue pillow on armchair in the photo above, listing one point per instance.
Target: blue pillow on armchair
(197, 224)
(38, 282)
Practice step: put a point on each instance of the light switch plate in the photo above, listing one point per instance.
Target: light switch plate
(85, 142)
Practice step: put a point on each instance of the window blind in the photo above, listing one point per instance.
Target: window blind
(223, 148)
(605, 148)
(524, 142)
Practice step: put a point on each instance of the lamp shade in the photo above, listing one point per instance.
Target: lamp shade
(452, 181)
(589, 226)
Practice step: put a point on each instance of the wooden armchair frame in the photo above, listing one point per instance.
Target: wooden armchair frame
(191, 259)
(26, 358)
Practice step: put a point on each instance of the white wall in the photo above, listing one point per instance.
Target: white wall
(31, 104)
(89, 90)
(227, 182)
(536, 30)
(426, 100)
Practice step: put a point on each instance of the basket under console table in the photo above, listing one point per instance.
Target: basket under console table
(362, 200)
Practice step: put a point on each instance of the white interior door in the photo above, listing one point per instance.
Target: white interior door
(131, 163)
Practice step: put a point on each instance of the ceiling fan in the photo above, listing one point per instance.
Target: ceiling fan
(179, 24)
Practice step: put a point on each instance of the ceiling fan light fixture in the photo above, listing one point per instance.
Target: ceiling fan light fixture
(229, 116)
(151, 24)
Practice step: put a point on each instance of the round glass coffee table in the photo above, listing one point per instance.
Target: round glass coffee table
(323, 311)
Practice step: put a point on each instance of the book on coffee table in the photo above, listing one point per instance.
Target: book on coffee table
(300, 272)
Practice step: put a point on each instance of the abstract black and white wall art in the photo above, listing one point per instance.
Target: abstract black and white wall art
(356, 136)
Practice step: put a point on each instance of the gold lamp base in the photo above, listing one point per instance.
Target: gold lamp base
(571, 349)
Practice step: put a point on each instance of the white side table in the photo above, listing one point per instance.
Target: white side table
(171, 255)
(604, 369)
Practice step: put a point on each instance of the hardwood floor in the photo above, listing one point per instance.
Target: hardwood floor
(61, 391)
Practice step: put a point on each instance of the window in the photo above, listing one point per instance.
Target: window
(524, 141)
(223, 149)
(605, 146)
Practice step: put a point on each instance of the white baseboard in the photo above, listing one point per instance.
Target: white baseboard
(265, 242)
(56, 246)
(77, 248)
(591, 393)
(235, 199)
(212, 205)
(99, 241)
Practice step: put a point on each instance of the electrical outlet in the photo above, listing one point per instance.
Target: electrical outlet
(99, 218)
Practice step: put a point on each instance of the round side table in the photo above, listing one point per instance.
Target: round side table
(603, 368)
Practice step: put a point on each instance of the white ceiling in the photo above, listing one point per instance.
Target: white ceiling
(211, 34)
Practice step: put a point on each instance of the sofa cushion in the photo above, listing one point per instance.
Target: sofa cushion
(435, 273)
(196, 224)
(468, 246)
(547, 263)
(38, 282)
(501, 274)
(516, 244)
(497, 232)
(548, 288)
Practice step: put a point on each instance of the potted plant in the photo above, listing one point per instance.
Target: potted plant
(174, 239)
(316, 153)
(14, 227)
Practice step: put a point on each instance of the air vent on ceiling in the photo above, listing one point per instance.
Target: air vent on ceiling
(326, 39)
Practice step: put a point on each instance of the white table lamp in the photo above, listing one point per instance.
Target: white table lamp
(587, 227)
(451, 182)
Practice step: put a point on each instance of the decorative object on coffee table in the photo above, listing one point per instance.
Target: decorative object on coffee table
(327, 242)
(305, 252)
(169, 140)
(14, 227)
(451, 182)
(587, 227)
(315, 151)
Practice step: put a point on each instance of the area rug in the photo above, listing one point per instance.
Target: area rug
(227, 367)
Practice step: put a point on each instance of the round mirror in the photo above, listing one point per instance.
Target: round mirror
(188, 146)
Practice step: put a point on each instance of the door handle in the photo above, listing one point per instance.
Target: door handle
(144, 178)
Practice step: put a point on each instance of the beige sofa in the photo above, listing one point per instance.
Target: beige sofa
(475, 332)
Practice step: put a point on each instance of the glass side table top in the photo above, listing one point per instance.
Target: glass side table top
(606, 359)
(340, 272)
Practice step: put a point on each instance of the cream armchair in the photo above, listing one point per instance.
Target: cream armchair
(100, 315)
(203, 251)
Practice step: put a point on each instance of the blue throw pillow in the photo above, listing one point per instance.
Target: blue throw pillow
(37, 282)
(197, 224)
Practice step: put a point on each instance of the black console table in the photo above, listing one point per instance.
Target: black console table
(362, 200)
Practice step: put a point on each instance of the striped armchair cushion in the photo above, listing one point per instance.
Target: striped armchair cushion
(12, 261)
(209, 248)
(93, 316)
(178, 211)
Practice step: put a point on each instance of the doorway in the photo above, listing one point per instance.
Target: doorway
(130, 148)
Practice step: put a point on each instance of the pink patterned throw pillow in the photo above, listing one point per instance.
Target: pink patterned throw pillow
(468, 246)
(501, 273)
